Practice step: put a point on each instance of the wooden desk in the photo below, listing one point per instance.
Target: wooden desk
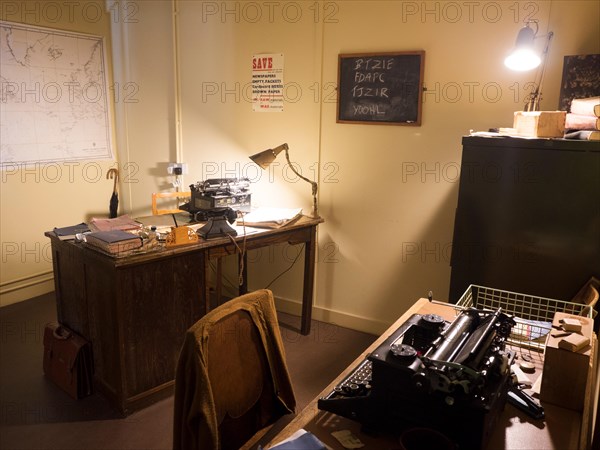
(561, 429)
(135, 310)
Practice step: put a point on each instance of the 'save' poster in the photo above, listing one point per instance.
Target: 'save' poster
(267, 82)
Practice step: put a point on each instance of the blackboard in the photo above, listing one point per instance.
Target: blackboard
(580, 79)
(380, 88)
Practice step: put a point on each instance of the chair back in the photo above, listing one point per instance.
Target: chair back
(239, 376)
(232, 380)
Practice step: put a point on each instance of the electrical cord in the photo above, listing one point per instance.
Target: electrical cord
(288, 269)
(242, 252)
(230, 283)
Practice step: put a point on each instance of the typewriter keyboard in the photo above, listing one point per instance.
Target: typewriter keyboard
(357, 383)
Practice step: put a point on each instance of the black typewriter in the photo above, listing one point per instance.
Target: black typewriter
(451, 377)
(217, 193)
(218, 201)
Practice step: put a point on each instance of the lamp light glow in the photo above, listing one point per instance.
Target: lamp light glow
(522, 60)
(265, 158)
(524, 57)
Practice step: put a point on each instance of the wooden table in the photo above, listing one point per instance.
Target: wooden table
(136, 309)
(561, 429)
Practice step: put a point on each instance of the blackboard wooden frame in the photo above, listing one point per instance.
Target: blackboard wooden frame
(383, 88)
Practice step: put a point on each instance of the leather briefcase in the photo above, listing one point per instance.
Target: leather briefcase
(68, 360)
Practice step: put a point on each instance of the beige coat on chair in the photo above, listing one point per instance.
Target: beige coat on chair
(232, 378)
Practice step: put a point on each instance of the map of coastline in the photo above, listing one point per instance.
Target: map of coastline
(54, 104)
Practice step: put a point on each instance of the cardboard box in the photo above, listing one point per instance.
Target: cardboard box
(565, 373)
(544, 124)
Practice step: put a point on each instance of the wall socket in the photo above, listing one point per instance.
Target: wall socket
(177, 168)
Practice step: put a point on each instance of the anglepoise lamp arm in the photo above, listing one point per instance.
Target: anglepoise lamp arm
(314, 184)
(533, 103)
(524, 57)
(265, 158)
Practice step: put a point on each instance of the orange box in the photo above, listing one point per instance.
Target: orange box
(565, 373)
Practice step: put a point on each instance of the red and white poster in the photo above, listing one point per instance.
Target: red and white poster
(267, 82)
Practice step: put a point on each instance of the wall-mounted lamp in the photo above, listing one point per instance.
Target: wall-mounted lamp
(266, 157)
(524, 57)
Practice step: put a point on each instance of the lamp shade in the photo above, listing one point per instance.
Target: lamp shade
(523, 57)
(265, 158)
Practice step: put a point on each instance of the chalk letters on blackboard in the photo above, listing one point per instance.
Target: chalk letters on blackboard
(380, 88)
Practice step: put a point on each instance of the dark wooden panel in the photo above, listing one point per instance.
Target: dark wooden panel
(103, 324)
(159, 302)
(71, 301)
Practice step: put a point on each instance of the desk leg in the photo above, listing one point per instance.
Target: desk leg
(205, 284)
(219, 287)
(309, 281)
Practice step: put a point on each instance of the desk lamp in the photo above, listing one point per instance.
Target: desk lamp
(265, 158)
(524, 58)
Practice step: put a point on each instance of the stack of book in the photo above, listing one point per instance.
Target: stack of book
(69, 233)
(583, 120)
(113, 242)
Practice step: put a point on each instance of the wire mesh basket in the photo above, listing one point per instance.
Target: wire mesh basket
(533, 315)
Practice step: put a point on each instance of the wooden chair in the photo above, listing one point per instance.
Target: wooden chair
(232, 381)
(168, 195)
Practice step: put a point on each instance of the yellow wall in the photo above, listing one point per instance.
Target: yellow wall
(37, 198)
(391, 215)
(387, 193)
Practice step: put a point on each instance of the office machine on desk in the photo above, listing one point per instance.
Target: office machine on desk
(214, 193)
(451, 377)
(218, 201)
